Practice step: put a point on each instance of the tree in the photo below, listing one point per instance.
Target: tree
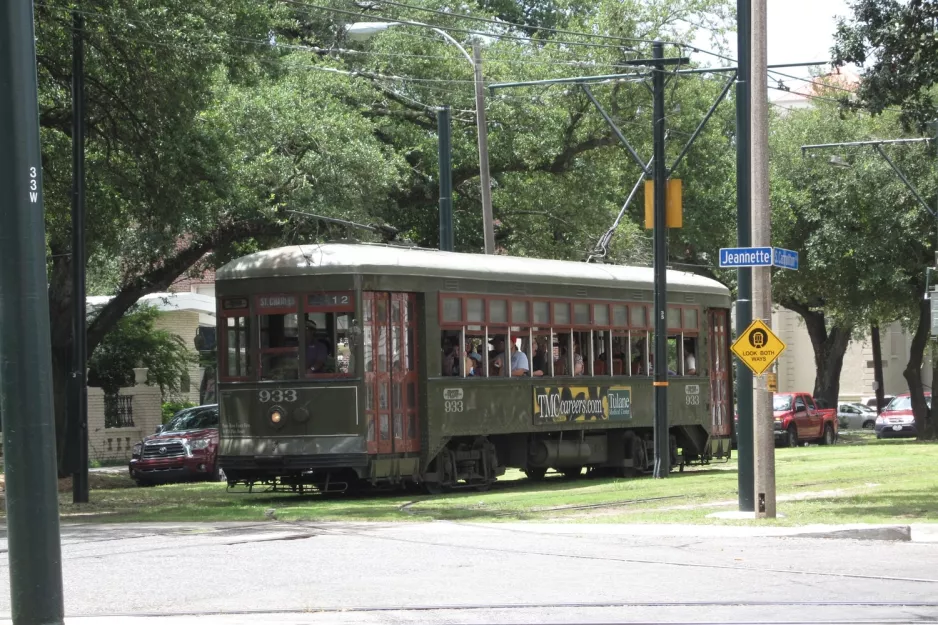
(135, 342)
(207, 123)
(897, 40)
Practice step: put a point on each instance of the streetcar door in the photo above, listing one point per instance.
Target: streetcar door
(720, 389)
(391, 406)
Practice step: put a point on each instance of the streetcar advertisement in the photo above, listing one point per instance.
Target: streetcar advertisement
(562, 404)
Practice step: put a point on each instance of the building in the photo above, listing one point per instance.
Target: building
(796, 370)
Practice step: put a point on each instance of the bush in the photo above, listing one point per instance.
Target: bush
(170, 408)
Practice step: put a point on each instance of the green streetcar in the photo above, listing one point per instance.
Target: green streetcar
(346, 364)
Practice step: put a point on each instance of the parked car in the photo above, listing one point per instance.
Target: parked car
(856, 416)
(897, 419)
(798, 420)
(871, 401)
(185, 448)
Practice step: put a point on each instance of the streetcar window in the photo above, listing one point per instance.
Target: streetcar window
(452, 309)
(542, 312)
(561, 313)
(279, 347)
(238, 347)
(620, 317)
(601, 315)
(581, 314)
(622, 354)
(519, 312)
(475, 309)
(452, 355)
(328, 347)
(690, 319)
(637, 317)
(498, 311)
(674, 318)
(690, 355)
(674, 358)
(582, 353)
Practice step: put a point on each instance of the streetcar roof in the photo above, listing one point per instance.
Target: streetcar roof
(347, 258)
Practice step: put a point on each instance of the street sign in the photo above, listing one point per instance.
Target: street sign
(746, 257)
(757, 347)
(771, 381)
(786, 259)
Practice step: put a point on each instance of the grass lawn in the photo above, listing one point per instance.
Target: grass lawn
(857, 480)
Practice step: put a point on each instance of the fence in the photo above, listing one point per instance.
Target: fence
(118, 411)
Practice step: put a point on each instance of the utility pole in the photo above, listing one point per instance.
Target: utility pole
(762, 425)
(662, 439)
(446, 178)
(78, 414)
(744, 438)
(33, 543)
(488, 222)
(877, 368)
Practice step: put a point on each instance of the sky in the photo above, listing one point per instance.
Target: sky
(799, 31)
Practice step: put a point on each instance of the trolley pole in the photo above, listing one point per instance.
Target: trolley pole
(662, 439)
(762, 427)
(744, 438)
(33, 542)
(443, 122)
(78, 413)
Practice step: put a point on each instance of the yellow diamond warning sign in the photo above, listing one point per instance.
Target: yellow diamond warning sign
(757, 347)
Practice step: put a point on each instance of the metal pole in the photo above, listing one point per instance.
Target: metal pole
(79, 387)
(878, 368)
(744, 275)
(32, 505)
(762, 422)
(661, 435)
(488, 222)
(446, 178)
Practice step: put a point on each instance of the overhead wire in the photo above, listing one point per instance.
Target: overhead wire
(462, 30)
(498, 22)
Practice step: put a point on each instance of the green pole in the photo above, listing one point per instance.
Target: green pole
(662, 438)
(444, 131)
(33, 541)
(745, 462)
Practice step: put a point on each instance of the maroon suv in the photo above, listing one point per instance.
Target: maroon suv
(183, 449)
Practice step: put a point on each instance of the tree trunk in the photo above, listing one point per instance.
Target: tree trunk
(913, 374)
(829, 349)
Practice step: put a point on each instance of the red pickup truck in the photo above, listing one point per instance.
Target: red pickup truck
(798, 420)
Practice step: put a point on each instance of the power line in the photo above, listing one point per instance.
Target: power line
(464, 30)
(510, 24)
(346, 51)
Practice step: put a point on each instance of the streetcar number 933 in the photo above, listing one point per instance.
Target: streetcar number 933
(276, 396)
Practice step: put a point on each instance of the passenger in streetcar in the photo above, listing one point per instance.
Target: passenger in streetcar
(690, 361)
(540, 359)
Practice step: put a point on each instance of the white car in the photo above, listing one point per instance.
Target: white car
(856, 416)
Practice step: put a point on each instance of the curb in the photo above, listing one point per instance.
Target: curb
(900, 533)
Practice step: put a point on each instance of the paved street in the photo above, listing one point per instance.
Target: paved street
(450, 572)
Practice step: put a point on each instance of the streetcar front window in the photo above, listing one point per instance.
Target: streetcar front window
(328, 344)
(238, 344)
(280, 354)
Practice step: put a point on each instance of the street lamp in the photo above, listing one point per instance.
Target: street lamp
(360, 31)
